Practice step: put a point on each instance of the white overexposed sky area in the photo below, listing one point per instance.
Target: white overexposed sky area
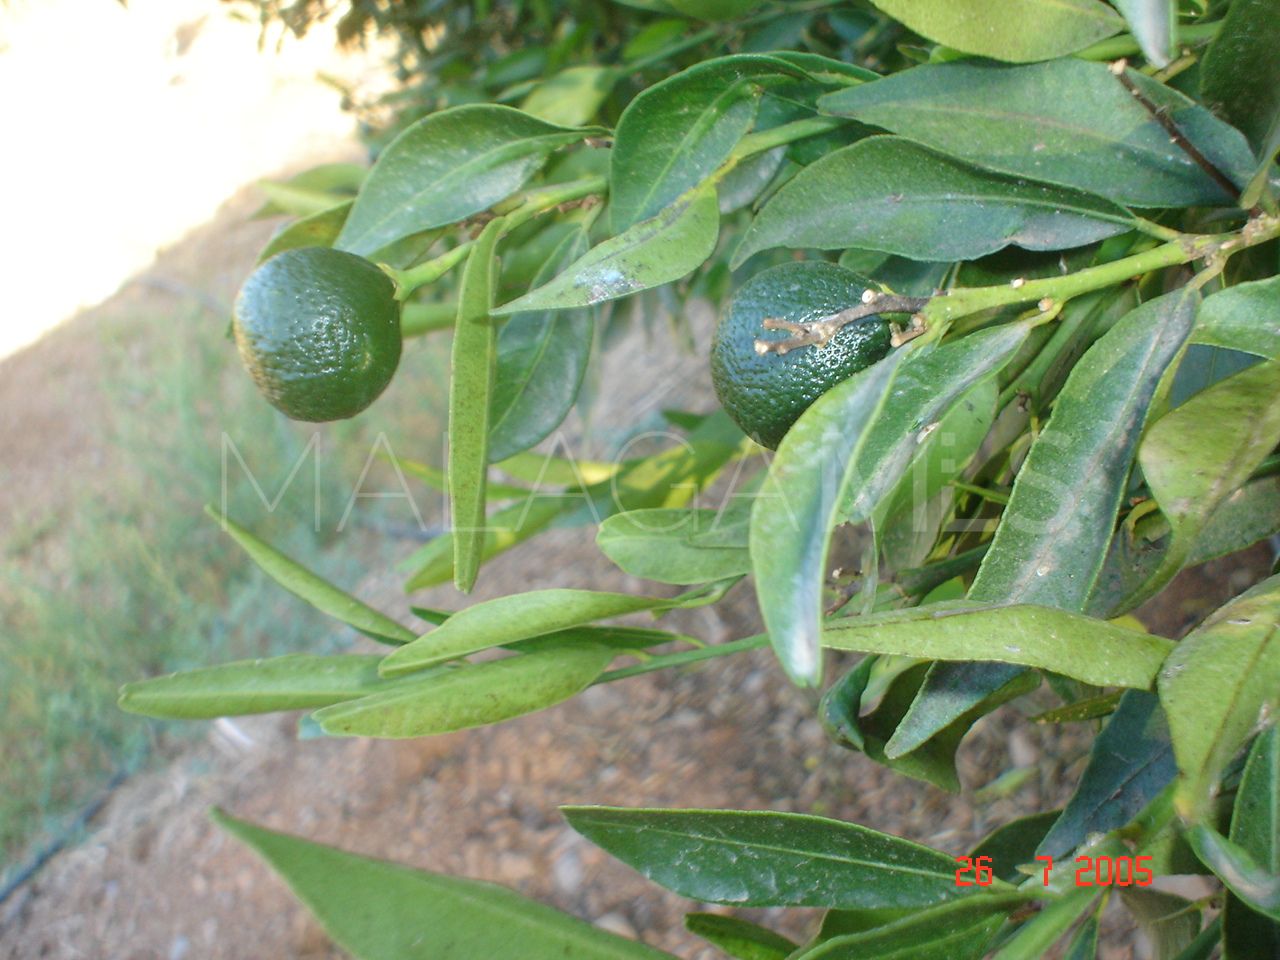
(125, 127)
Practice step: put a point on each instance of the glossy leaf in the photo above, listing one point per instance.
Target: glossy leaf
(471, 377)
(542, 358)
(469, 696)
(1201, 452)
(1093, 651)
(1152, 24)
(959, 930)
(1254, 884)
(446, 167)
(1245, 317)
(739, 938)
(679, 131)
(317, 230)
(1066, 121)
(892, 195)
(518, 616)
(671, 245)
(838, 462)
(671, 546)
(1240, 73)
(382, 911)
(1014, 30)
(293, 682)
(1130, 763)
(1218, 685)
(313, 588)
(1255, 828)
(770, 859)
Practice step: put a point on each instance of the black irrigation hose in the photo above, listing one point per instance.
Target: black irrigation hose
(49, 850)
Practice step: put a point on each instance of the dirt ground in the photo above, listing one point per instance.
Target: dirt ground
(156, 881)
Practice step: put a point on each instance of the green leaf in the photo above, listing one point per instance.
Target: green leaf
(1250, 514)
(317, 230)
(469, 696)
(670, 546)
(519, 616)
(446, 167)
(1152, 24)
(1084, 945)
(1255, 829)
(542, 358)
(960, 930)
(470, 399)
(1033, 940)
(739, 938)
(748, 858)
(1245, 317)
(382, 911)
(671, 245)
(573, 96)
(715, 9)
(1066, 121)
(1014, 844)
(1218, 685)
(1240, 73)
(1093, 651)
(895, 196)
(1170, 922)
(314, 589)
(306, 193)
(438, 479)
(679, 131)
(1014, 30)
(1130, 763)
(1198, 454)
(297, 681)
(839, 460)
(1254, 884)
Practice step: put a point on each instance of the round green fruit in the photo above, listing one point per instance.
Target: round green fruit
(766, 393)
(319, 331)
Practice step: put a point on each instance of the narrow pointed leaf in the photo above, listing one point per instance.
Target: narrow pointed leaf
(297, 681)
(1130, 763)
(518, 617)
(1093, 651)
(1255, 828)
(677, 133)
(469, 696)
(770, 859)
(446, 167)
(542, 358)
(470, 397)
(1220, 683)
(1170, 922)
(670, 546)
(665, 248)
(1014, 844)
(1014, 30)
(313, 588)
(895, 196)
(383, 911)
(317, 230)
(1065, 121)
(1033, 939)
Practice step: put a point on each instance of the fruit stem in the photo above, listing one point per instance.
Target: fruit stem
(534, 204)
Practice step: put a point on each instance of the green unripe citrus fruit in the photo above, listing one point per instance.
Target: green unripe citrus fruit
(319, 331)
(766, 393)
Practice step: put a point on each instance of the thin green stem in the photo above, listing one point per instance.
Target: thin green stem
(786, 133)
(533, 204)
(685, 657)
(1126, 46)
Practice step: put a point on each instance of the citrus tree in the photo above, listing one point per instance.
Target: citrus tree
(998, 294)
